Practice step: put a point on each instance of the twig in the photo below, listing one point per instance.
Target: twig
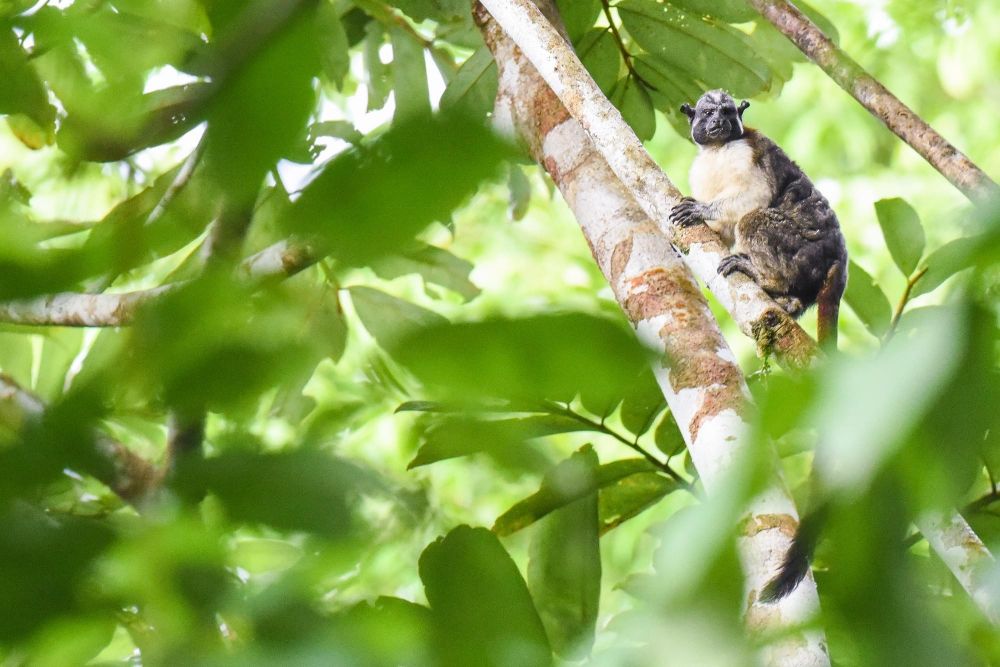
(903, 300)
(626, 55)
(872, 95)
(180, 180)
(600, 427)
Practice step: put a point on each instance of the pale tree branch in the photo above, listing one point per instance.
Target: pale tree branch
(757, 315)
(953, 540)
(697, 372)
(131, 477)
(76, 309)
(872, 95)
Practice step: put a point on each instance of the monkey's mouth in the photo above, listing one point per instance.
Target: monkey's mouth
(718, 131)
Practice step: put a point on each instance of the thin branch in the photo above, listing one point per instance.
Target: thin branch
(131, 476)
(903, 300)
(626, 55)
(757, 315)
(872, 95)
(181, 179)
(76, 309)
(601, 427)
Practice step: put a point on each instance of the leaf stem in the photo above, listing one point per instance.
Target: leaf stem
(903, 300)
(626, 56)
(566, 411)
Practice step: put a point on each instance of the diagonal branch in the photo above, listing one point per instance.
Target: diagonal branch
(754, 311)
(698, 374)
(130, 476)
(872, 95)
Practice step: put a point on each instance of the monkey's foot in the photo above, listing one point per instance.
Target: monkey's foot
(791, 304)
(688, 212)
(741, 263)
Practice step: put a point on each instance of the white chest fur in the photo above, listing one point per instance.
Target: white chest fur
(728, 176)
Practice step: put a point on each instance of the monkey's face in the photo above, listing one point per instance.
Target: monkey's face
(715, 119)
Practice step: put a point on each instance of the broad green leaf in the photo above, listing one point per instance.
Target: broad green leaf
(599, 53)
(338, 129)
(642, 403)
(867, 300)
(712, 52)
(564, 570)
(387, 631)
(334, 50)
(668, 436)
(59, 349)
(775, 48)
(378, 75)
(945, 262)
(257, 555)
(461, 435)
(482, 611)
(630, 496)
(730, 11)
(567, 482)
(525, 360)
(578, 16)
(672, 87)
(433, 164)
(902, 231)
(22, 91)
(474, 86)
(304, 489)
(633, 100)
(438, 10)
(270, 100)
(390, 319)
(434, 265)
(409, 76)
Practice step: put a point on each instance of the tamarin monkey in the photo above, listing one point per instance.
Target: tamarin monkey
(781, 231)
(782, 234)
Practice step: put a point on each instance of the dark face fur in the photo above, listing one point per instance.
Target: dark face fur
(715, 119)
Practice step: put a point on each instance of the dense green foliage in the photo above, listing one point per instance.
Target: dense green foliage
(454, 358)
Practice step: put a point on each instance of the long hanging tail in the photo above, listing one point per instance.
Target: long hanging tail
(828, 305)
(795, 566)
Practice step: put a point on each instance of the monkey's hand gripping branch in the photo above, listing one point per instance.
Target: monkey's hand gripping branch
(757, 315)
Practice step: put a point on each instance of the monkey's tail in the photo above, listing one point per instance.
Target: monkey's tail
(828, 305)
(795, 565)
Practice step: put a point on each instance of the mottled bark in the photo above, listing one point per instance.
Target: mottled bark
(75, 309)
(754, 311)
(872, 95)
(699, 376)
(130, 476)
(955, 543)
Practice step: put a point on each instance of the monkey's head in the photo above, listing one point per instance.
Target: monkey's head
(715, 119)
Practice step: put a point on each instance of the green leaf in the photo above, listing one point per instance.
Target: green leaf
(642, 403)
(668, 436)
(631, 495)
(520, 193)
(564, 570)
(338, 129)
(334, 50)
(599, 53)
(390, 319)
(946, 261)
(902, 231)
(433, 164)
(378, 79)
(730, 11)
(462, 435)
(474, 86)
(482, 611)
(409, 75)
(633, 100)
(304, 489)
(867, 300)
(434, 265)
(715, 53)
(22, 91)
(672, 87)
(525, 360)
(578, 16)
(569, 481)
